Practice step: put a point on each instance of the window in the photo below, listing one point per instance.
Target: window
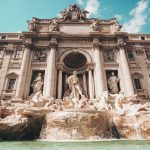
(130, 54)
(137, 84)
(3, 37)
(11, 82)
(1, 53)
(142, 37)
(11, 85)
(147, 54)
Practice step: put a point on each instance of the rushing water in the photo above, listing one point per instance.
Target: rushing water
(102, 145)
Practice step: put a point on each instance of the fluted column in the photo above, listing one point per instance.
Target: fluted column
(84, 83)
(91, 85)
(50, 70)
(124, 67)
(60, 84)
(99, 68)
(23, 70)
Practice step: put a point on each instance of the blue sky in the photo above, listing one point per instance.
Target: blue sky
(134, 15)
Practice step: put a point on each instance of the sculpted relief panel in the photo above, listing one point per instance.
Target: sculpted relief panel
(39, 56)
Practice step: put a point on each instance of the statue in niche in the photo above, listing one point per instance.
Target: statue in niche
(75, 88)
(113, 84)
(54, 26)
(37, 84)
(95, 26)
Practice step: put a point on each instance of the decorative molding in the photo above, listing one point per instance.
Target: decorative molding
(66, 51)
(137, 75)
(9, 51)
(139, 50)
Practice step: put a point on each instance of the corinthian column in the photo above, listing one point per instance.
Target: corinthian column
(23, 70)
(84, 83)
(99, 67)
(49, 82)
(125, 71)
(91, 85)
(60, 84)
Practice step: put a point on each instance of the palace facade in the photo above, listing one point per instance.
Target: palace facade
(57, 47)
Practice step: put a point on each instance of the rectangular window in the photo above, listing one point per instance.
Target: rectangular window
(130, 54)
(1, 53)
(148, 54)
(142, 37)
(3, 37)
(11, 85)
(137, 84)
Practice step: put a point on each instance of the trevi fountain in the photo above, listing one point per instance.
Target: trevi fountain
(91, 98)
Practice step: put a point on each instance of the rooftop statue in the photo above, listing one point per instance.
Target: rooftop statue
(74, 13)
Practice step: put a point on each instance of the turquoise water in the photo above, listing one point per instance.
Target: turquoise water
(102, 145)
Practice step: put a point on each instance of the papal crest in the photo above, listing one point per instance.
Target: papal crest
(74, 13)
(74, 16)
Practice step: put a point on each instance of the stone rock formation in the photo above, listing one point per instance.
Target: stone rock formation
(79, 125)
(110, 116)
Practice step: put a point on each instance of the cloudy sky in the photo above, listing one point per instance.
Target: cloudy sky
(134, 15)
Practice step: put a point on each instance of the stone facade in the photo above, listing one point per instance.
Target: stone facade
(57, 47)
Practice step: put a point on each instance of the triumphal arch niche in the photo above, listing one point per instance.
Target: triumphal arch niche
(46, 55)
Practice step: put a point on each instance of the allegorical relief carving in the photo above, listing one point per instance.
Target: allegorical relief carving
(74, 13)
(39, 56)
(109, 55)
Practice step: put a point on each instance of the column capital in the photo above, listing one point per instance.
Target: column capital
(90, 66)
(60, 66)
(120, 44)
(97, 43)
(53, 43)
(27, 44)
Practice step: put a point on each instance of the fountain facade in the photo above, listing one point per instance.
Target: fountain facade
(72, 78)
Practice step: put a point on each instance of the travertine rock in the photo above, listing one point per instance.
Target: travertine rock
(78, 125)
(133, 127)
(23, 124)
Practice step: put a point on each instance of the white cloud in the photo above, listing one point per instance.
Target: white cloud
(139, 17)
(81, 2)
(90, 5)
(119, 17)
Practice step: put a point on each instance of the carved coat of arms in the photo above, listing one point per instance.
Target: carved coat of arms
(74, 13)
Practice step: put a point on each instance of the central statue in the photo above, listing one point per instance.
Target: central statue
(74, 86)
